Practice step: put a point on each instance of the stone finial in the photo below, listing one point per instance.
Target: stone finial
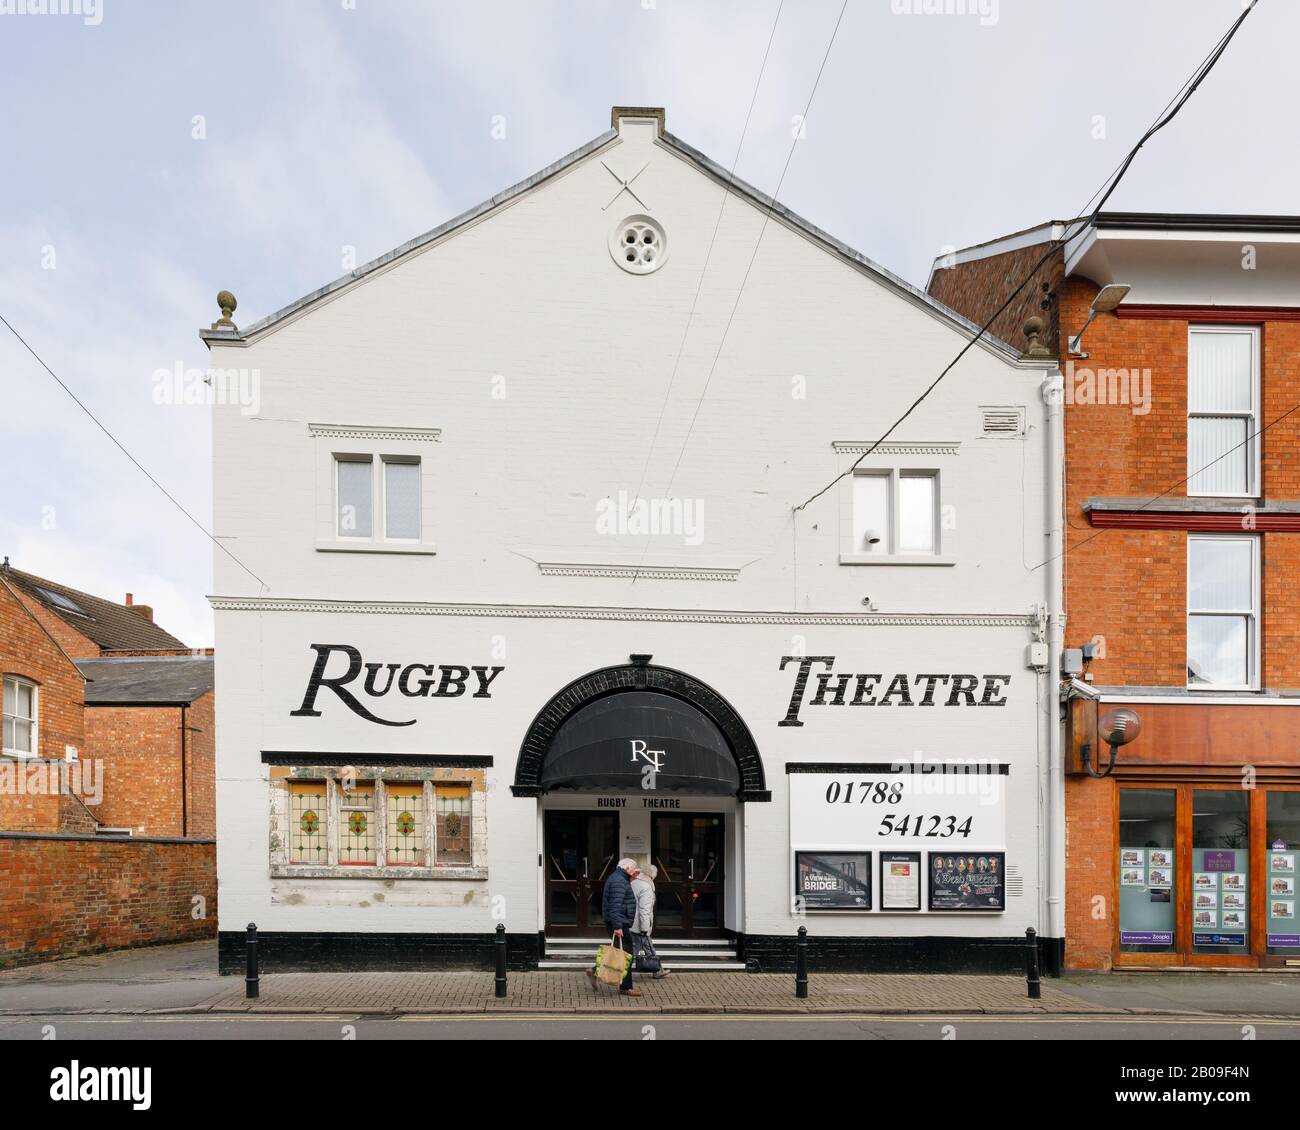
(1033, 331)
(227, 302)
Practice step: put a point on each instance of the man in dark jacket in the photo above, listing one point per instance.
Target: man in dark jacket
(618, 908)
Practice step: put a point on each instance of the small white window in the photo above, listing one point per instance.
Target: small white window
(402, 499)
(1222, 410)
(20, 717)
(1222, 611)
(895, 513)
(354, 492)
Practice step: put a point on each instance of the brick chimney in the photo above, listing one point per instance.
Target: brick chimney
(139, 609)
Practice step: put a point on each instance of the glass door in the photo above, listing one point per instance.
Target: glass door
(580, 850)
(689, 850)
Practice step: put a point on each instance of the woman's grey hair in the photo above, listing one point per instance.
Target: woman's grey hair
(650, 871)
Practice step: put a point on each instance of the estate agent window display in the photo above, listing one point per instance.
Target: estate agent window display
(1207, 874)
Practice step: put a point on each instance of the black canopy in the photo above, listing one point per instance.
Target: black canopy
(610, 744)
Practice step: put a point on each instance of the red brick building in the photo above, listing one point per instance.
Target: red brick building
(98, 683)
(1182, 541)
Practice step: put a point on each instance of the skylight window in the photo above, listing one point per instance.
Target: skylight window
(60, 601)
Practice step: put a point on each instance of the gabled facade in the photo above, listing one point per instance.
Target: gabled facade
(522, 589)
(1182, 504)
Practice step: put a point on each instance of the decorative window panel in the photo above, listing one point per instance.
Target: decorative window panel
(308, 805)
(357, 843)
(406, 827)
(453, 827)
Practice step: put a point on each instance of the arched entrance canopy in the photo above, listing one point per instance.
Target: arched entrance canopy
(606, 730)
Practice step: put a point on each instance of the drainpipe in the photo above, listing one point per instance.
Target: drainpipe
(185, 813)
(1054, 395)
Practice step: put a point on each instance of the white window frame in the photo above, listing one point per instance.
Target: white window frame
(852, 554)
(35, 719)
(1253, 437)
(339, 459)
(408, 460)
(1252, 615)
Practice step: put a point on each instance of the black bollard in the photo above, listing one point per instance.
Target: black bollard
(501, 959)
(250, 970)
(801, 964)
(1031, 962)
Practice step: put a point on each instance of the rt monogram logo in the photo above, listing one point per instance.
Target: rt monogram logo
(649, 756)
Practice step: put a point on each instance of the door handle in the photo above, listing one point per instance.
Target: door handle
(692, 870)
(584, 868)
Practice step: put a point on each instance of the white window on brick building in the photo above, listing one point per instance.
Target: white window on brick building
(1223, 410)
(895, 513)
(21, 737)
(1223, 612)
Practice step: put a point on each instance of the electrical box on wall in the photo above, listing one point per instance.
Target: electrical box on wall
(1036, 655)
(1072, 661)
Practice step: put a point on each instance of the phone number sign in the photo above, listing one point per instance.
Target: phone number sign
(948, 808)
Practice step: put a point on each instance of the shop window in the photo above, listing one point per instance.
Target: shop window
(308, 823)
(1222, 406)
(1220, 871)
(1147, 906)
(406, 825)
(453, 829)
(1281, 871)
(895, 514)
(356, 833)
(20, 717)
(1222, 611)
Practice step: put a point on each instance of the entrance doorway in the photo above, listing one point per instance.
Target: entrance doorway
(689, 850)
(581, 848)
(1207, 874)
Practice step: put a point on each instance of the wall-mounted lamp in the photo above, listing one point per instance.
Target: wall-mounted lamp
(1116, 728)
(1108, 297)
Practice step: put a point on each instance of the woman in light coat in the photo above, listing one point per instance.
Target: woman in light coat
(643, 886)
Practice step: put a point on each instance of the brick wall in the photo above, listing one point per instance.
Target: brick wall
(977, 288)
(139, 748)
(27, 650)
(71, 640)
(72, 895)
(1090, 872)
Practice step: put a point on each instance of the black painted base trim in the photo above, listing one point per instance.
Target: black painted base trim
(775, 953)
(1052, 951)
(290, 952)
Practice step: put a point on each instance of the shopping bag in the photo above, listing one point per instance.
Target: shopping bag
(612, 962)
(647, 961)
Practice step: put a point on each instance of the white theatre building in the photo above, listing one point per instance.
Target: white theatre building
(532, 594)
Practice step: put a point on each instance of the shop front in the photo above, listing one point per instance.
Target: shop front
(1202, 844)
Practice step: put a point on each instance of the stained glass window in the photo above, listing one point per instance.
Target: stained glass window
(405, 825)
(357, 825)
(307, 810)
(453, 825)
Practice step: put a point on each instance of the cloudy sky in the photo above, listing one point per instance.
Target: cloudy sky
(156, 151)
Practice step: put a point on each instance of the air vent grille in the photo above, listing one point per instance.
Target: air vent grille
(1003, 421)
(1015, 882)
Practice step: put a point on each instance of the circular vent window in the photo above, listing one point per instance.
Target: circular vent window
(638, 245)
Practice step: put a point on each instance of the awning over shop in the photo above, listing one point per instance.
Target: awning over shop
(642, 740)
